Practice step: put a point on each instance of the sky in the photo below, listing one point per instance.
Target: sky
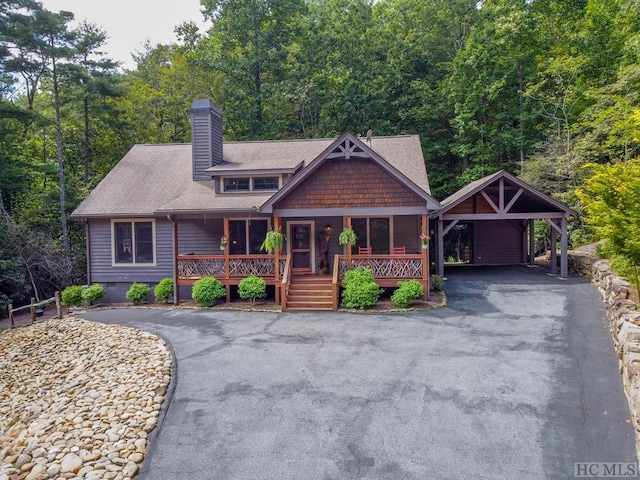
(129, 23)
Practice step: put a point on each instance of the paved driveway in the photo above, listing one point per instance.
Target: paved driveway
(516, 378)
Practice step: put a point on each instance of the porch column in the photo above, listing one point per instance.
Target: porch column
(532, 243)
(225, 223)
(176, 287)
(425, 257)
(554, 250)
(440, 247)
(348, 247)
(564, 259)
(525, 235)
(277, 226)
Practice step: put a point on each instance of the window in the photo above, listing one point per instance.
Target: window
(246, 236)
(250, 184)
(374, 232)
(133, 242)
(265, 183)
(236, 184)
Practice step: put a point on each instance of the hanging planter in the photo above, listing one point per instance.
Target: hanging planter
(424, 241)
(347, 236)
(223, 242)
(273, 240)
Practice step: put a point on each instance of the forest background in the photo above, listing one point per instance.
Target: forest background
(546, 89)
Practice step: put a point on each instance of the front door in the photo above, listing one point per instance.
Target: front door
(300, 235)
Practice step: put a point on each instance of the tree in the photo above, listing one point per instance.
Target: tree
(610, 206)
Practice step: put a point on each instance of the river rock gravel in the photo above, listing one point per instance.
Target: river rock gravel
(78, 399)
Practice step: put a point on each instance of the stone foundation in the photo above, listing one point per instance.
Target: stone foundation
(624, 324)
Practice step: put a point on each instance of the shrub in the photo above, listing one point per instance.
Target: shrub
(164, 290)
(252, 287)
(407, 293)
(207, 290)
(138, 293)
(93, 293)
(437, 283)
(360, 289)
(72, 296)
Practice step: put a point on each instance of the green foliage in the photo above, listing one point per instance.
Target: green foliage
(360, 289)
(347, 236)
(437, 283)
(252, 287)
(72, 296)
(407, 293)
(93, 293)
(610, 206)
(273, 240)
(207, 290)
(138, 293)
(164, 290)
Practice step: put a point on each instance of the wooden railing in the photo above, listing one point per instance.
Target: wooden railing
(233, 266)
(383, 266)
(33, 307)
(284, 284)
(335, 286)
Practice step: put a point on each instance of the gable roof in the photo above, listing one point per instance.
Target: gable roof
(407, 165)
(529, 193)
(157, 179)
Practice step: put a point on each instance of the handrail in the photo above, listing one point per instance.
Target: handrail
(334, 282)
(284, 284)
(408, 266)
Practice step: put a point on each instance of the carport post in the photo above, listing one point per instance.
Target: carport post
(440, 247)
(564, 260)
(554, 251)
(532, 243)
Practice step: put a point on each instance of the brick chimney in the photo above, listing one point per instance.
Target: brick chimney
(206, 137)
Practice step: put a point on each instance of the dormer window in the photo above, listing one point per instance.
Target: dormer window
(251, 184)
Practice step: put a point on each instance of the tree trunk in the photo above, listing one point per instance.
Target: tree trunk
(87, 156)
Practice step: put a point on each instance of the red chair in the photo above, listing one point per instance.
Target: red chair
(364, 251)
(398, 250)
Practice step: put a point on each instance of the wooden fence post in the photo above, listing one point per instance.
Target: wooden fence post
(58, 304)
(10, 307)
(33, 310)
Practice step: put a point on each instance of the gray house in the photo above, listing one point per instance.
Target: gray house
(191, 210)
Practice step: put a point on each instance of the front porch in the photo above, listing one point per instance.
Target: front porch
(321, 292)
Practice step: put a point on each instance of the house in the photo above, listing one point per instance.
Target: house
(190, 210)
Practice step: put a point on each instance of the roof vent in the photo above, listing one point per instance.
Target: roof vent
(206, 137)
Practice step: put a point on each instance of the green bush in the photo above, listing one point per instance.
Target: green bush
(164, 290)
(407, 293)
(72, 296)
(437, 283)
(138, 293)
(93, 293)
(252, 287)
(360, 289)
(207, 290)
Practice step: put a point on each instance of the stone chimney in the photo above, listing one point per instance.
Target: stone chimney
(206, 137)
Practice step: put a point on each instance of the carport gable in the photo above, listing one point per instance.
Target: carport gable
(502, 205)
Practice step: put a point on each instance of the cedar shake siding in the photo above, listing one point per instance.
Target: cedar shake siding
(118, 279)
(475, 204)
(353, 183)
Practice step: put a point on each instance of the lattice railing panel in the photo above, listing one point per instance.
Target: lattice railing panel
(200, 267)
(385, 267)
(243, 267)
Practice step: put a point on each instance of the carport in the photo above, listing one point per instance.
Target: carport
(498, 212)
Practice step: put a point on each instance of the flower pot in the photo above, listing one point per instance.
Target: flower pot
(425, 246)
(223, 247)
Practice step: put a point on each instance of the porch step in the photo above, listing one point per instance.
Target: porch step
(310, 292)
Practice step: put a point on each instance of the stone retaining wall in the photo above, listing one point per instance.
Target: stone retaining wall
(624, 324)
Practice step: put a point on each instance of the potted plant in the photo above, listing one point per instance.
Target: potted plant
(424, 240)
(223, 242)
(347, 236)
(273, 240)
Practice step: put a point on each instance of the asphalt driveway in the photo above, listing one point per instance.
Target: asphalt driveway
(516, 378)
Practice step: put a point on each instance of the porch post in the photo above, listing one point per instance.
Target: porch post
(425, 257)
(277, 226)
(525, 235)
(225, 222)
(348, 247)
(532, 243)
(564, 260)
(440, 247)
(554, 250)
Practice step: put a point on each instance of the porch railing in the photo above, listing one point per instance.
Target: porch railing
(384, 266)
(284, 284)
(196, 266)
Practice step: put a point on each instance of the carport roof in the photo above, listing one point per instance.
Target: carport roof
(518, 196)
